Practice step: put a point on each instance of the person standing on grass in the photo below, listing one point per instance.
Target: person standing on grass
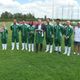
(49, 37)
(24, 35)
(58, 31)
(15, 34)
(4, 36)
(77, 39)
(68, 31)
(40, 28)
(31, 33)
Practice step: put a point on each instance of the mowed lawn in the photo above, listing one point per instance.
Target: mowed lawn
(22, 65)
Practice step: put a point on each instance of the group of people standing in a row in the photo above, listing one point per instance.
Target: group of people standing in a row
(31, 34)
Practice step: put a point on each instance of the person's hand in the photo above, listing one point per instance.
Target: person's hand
(67, 37)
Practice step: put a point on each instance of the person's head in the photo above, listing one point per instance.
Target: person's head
(39, 21)
(57, 21)
(31, 23)
(23, 22)
(78, 24)
(15, 21)
(68, 23)
(47, 20)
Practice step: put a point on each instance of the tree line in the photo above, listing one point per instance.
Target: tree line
(8, 16)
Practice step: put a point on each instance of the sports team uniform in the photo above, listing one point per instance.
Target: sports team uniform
(39, 36)
(24, 35)
(58, 31)
(15, 35)
(4, 37)
(68, 33)
(49, 38)
(31, 33)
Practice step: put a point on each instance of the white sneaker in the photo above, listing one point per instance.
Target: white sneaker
(26, 46)
(64, 53)
(29, 46)
(32, 47)
(51, 49)
(17, 46)
(12, 49)
(2, 46)
(5, 46)
(22, 46)
(78, 54)
(13, 44)
(47, 48)
(74, 52)
(46, 51)
(68, 54)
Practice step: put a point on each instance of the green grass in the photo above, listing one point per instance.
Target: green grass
(22, 65)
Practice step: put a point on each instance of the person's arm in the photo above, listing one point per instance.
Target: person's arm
(71, 32)
(62, 29)
(36, 27)
(6, 33)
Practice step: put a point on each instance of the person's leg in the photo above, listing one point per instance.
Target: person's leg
(22, 46)
(32, 43)
(37, 45)
(32, 47)
(78, 49)
(47, 45)
(41, 46)
(13, 43)
(17, 42)
(66, 47)
(23, 43)
(69, 47)
(2, 46)
(75, 47)
(26, 46)
(29, 46)
(59, 48)
(5, 44)
(51, 45)
(56, 45)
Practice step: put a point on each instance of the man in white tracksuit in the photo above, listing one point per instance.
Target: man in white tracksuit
(77, 39)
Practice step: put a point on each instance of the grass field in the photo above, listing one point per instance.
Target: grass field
(21, 65)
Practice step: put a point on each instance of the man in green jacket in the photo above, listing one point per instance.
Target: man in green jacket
(15, 34)
(24, 35)
(31, 34)
(58, 31)
(49, 37)
(67, 37)
(4, 36)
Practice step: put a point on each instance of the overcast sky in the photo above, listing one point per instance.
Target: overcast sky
(42, 7)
